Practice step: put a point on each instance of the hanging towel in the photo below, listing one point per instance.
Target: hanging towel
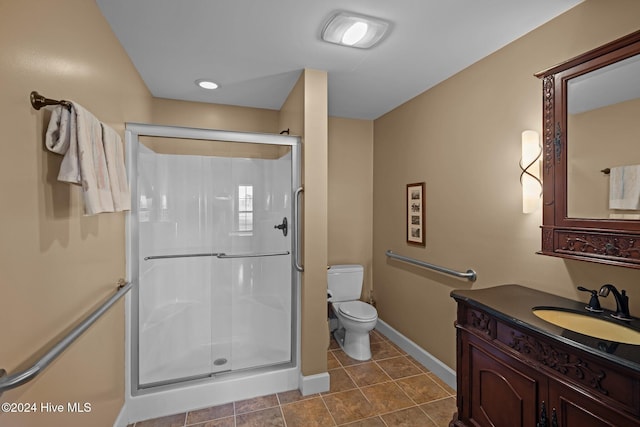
(116, 168)
(57, 136)
(78, 135)
(624, 187)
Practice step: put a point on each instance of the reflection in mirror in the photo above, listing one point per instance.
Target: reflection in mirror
(603, 133)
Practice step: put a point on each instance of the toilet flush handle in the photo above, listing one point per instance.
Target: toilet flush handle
(329, 295)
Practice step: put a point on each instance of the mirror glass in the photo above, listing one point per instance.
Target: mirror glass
(603, 142)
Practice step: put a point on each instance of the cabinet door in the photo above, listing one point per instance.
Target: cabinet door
(504, 392)
(577, 410)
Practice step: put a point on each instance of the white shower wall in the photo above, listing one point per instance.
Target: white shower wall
(205, 314)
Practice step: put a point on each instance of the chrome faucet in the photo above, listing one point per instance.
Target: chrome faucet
(622, 301)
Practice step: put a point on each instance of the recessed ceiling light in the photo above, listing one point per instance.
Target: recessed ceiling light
(354, 30)
(206, 84)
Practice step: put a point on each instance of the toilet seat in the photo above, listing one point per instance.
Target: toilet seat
(358, 311)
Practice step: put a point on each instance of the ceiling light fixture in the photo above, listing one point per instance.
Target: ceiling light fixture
(354, 30)
(206, 84)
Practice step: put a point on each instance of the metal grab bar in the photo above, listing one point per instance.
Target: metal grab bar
(219, 255)
(469, 274)
(19, 378)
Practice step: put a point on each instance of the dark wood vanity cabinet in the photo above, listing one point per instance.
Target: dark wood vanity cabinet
(574, 408)
(505, 373)
(496, 389)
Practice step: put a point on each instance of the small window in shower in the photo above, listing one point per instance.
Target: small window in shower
(245, 207)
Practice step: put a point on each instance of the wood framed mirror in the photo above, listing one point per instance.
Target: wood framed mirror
(591, 155)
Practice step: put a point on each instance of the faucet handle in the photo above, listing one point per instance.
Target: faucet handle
(594, 302)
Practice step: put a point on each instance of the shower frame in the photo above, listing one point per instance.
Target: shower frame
(133, 132)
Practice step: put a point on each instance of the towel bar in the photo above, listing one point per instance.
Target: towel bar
(469, 274)
(38, 101)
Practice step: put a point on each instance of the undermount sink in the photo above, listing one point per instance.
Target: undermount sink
(587, 324)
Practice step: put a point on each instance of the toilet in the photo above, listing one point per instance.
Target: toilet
(353, 319)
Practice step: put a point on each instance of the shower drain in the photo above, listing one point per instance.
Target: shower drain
(220, 362)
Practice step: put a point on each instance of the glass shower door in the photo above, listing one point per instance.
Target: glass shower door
(261, 246)
(214, 259)
(177, 303)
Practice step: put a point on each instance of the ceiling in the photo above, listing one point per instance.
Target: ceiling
(256, 49)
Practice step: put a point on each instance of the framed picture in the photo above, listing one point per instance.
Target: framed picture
(415, 214)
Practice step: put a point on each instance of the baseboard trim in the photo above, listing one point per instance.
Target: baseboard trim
(312, 384)
(433, 364)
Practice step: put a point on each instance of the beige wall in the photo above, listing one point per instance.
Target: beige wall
(55, 263)
(292, 111)
(304, 113)
(214, 116)
(462, 138)
(350, 201)
(315, 332)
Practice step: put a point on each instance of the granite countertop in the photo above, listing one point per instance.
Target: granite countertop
(514, 303)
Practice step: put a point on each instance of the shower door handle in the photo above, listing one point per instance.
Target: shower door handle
(296, 230)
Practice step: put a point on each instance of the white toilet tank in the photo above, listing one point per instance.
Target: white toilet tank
(344, 282)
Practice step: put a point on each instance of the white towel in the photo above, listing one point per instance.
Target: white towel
(624, 187)
(117, 171)
(78, 135)
(57, 136)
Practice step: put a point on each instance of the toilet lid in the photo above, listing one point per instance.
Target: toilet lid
(358, 310)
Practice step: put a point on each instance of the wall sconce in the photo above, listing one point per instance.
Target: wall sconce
(530, 175)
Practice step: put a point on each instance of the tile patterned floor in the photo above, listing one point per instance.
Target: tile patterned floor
(391, 390)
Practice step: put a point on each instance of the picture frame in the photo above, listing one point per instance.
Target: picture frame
(415, 214)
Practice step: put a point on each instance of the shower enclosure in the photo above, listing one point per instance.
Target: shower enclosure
(212, 242)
